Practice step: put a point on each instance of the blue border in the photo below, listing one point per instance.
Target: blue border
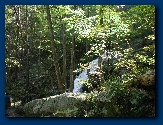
(94, 121)
(77, 2)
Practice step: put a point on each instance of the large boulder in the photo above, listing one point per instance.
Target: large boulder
(148, 79)
(100, 104)
(53, 105)
(67, 105)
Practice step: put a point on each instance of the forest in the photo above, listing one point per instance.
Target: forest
(50, 50)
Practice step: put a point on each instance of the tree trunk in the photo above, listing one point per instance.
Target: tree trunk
(101, 12)
(87, 44)
(56, 64)
(18, 41)
(72, 64)
(72, 59)
(87, 49)
(27, 52)
(101, 25)
(64, 74)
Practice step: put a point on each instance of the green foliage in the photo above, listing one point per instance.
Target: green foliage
(129, 101)
(130, 31)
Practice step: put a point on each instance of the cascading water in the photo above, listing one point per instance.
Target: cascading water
(83, 75)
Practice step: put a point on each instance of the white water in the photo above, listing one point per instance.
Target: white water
(83, 75)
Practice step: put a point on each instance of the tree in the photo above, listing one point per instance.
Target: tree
(101, 13)
(27, 52)
(64, 73)
(87, 42)
(57, 68)
(72, 57)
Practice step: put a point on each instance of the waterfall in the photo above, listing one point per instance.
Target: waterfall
(83, 75)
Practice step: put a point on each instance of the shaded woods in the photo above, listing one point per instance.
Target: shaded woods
(47, 47)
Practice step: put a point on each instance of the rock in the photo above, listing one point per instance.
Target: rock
(65, 105)
(53, 104)
(148, 79)
(94, 104)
